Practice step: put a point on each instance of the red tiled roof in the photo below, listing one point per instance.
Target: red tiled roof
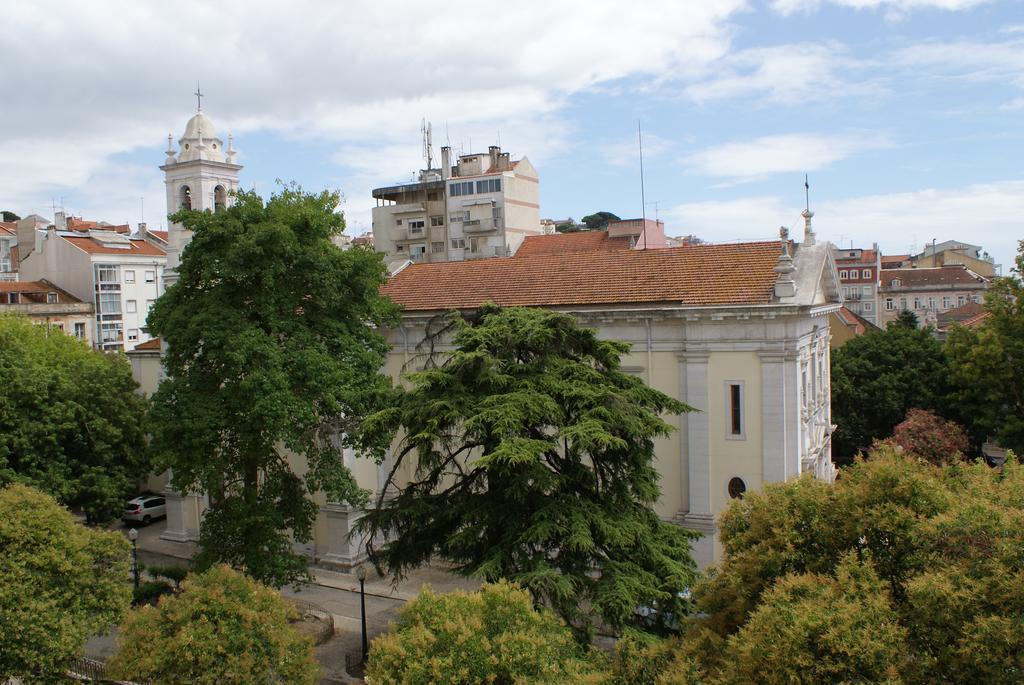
(894, 258)
(75, 223)
(151, 344)
(162, 235)
(564, 243)
(866, 256)
(695, 275)
(138, 247)
(859, 324)
(961, 313)
(975, 320)
(38, 288)
(931, 276)
(8, 227)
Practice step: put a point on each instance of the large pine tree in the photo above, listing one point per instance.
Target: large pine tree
(530, 454)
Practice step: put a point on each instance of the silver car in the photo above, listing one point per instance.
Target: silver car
(144, 509)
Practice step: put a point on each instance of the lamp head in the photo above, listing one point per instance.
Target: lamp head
(361, 572)
(133, 535)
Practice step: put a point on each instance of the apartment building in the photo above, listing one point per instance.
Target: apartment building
(481, 206)
(859, 271)
(8, 251)
(119, 275)
(954, 252)
(46, 304)
(929, 292)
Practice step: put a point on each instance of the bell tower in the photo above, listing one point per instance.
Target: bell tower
(200, 174)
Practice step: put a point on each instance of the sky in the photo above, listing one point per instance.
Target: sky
(905, 114)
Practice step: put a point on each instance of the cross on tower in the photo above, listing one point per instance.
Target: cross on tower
(199, 98)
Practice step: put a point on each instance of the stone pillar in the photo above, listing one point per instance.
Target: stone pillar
(340, 549)
(774, 425)
(184, 513)
(699, 517)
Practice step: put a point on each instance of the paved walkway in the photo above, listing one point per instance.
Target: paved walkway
(336, 592)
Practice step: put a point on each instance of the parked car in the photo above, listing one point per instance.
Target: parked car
(144, 509)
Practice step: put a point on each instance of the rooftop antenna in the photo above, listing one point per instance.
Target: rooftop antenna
(428, 143)
(142, 209)
(499, 137)
(643, 202)
(447, 138)
(199, 98)
(655, 203)
(807, 194)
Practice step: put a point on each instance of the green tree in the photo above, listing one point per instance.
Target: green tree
(532, 461)
(221, 629)
(598, 220)
(9, 216)
(567, 226)
(60, 584)
(270, 360)
(827, 629)
(987, 363)
(877, 378)
(71, 423)
(491, 636)
(900, 571)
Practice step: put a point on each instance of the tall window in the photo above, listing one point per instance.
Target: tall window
(220, 198)
(151, 277)
(131, 306)
(735, 427)
(889, 304)
(129, 275)
(437, 220)
(186, 198)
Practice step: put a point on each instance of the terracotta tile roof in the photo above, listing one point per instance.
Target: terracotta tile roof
(932, 276)
(961, 313)
(138, 247)
(8, 227)
(855, 321)
(695, 275)
(39, 288)
(564, 243)
(75, 223)
(151, 344)
(162, 235)
(894, 258)
(866, 256)
(975, 320)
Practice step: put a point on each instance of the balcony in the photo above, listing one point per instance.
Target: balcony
(481, 225)
(486, 252)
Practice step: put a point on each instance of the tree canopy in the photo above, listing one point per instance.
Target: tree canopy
(877, 378)
(60, 584)
(221, 629)
(598, 220)
(272, 356)
(529, 456)
(6, 215)
(987, 363)
(494, 635)
(899, 572)
(71, 422)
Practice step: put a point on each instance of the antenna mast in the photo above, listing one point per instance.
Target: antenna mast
(428, 143)
(643, 202)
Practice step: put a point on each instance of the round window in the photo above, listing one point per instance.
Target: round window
(737, 487)
(215, 146)
(186, 146)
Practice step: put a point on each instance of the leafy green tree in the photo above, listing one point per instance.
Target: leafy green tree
(531, 459)
(568, 226)
(900, 571)
(598, 220)
(60, 584)
(877, 378)
(221, 629)
(491, 636)
(71, 423)
(987, 363)
(9, 216)
(271, 357)
(827, 629)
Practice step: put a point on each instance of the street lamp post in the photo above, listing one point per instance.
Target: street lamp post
(133, 535)
(361, 575)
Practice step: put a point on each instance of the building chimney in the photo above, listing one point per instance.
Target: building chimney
(785, 286)
(60, 221)
(446, 162)
(809, 236)
(142, 228)
(495, 152)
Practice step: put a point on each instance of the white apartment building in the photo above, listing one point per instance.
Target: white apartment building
(482, 206)
(121, 276)
(8, 241)
(859, 271)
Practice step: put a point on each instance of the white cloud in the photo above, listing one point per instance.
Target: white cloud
(797, 152)
(783, 74)
(895, 8)
(626, 152)
(968, 60)
(97, 79)
(991, 215)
